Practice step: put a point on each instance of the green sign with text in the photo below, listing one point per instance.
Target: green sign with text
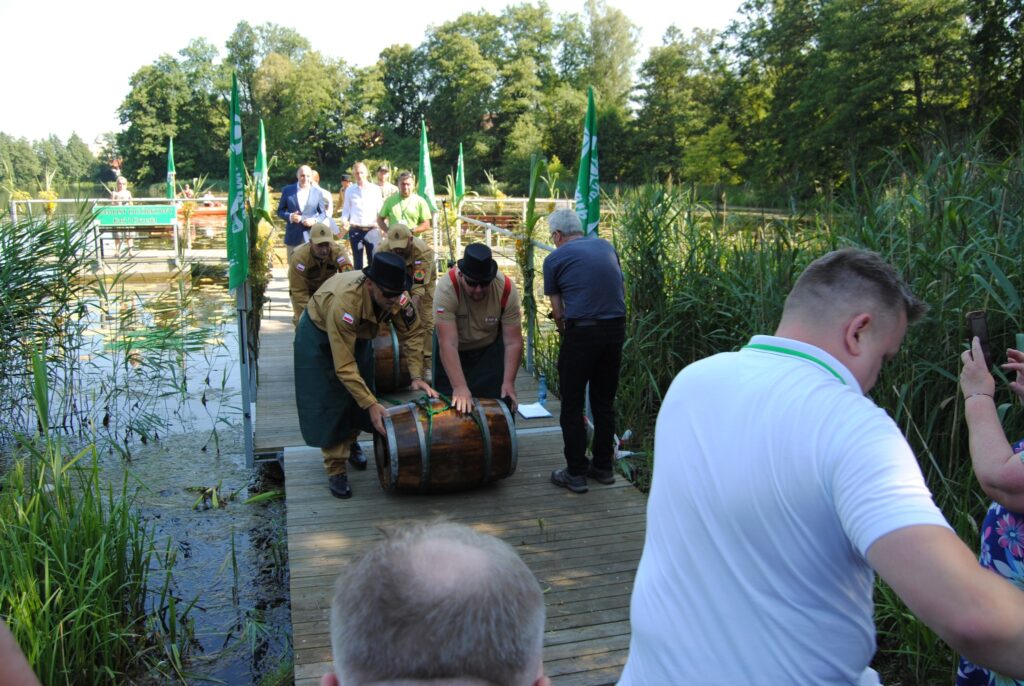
(137, 215)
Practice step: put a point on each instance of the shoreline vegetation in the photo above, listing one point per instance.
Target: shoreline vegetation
(94, 374)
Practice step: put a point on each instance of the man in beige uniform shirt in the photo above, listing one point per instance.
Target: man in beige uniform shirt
(479, 342)
(419, 263)
(334, 358)
(312, 264)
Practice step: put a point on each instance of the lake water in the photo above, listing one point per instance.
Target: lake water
(163, 357)
(232, 558)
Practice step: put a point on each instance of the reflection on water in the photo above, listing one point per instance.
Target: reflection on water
(161, 357)
(232, 559)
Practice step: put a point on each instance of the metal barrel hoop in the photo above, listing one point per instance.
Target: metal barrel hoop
(513, 438)
(389, 430)
(485, 436)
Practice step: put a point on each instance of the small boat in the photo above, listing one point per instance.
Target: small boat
(204, 211)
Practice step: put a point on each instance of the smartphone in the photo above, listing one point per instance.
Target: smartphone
(977, 325)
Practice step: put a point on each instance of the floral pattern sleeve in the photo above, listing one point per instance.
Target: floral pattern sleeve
(1002, 551)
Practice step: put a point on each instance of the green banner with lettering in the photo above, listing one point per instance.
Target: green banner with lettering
(137, 215)
(238, 226)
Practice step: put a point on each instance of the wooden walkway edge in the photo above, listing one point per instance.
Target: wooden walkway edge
(584, 549)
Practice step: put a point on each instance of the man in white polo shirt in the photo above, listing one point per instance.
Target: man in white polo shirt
(779, 489)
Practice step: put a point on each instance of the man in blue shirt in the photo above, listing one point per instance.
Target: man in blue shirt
(583, 280)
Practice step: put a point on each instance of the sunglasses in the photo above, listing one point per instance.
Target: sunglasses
(470, 283)
(391, 294)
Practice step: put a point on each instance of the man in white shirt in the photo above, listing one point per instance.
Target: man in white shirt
(779, 489)
(363, 201)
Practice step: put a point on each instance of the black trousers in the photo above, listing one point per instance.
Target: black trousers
(589, 354)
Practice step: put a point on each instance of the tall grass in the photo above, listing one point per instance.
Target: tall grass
(74, 563)
(42, 303)
(952, 219)
(695, 286)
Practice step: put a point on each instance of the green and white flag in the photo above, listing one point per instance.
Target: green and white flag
(170, 168)
(259, 174)
(425, 177)
(460, 181)
(238, 234)
(588, 187)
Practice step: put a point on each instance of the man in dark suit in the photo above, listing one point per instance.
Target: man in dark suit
(302, 205)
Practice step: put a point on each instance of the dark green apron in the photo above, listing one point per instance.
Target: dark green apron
(484, 369)
(327, 413)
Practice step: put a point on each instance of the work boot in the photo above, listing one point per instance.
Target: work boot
(601, 476)
(339, 486)
(576, 484)
(356, 457)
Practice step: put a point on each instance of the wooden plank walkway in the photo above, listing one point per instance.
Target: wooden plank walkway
(584, 549)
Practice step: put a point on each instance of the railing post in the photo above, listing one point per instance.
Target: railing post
(531, 321)
(175, 242)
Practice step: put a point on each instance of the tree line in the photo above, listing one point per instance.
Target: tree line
(45, 163)
(792, 99)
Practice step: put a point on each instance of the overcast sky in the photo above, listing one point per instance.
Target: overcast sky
(67, 64)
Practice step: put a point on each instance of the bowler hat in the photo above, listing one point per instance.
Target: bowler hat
(477, 263)
(320, 233)
(388, 271)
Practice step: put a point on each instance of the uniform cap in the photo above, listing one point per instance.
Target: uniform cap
(399, 234)
(320, 233)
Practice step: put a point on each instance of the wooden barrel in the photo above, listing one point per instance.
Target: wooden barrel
(448, 451)
(391, 369)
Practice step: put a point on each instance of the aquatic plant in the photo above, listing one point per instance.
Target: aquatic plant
(55, 298)
(75, 561)
(42, 262)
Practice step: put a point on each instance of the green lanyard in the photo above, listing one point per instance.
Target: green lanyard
(796, 353)
(401, 209)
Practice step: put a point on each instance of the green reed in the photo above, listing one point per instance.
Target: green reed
(55, 299)
(952, 219)
(75, 559)
(42, 262)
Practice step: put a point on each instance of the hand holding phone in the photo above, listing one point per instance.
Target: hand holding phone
(977, 326)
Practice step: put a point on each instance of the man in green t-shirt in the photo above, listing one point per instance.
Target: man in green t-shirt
(405, 207)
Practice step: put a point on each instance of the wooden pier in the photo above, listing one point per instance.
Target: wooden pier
(584, 549)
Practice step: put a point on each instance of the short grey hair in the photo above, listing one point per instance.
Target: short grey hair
(849, 279)
(438, 601)
(404, 175)
(565, 222)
